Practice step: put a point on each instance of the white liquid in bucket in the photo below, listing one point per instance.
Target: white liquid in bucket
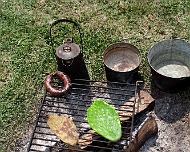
(173, 69)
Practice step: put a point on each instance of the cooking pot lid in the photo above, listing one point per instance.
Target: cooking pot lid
(68, 50)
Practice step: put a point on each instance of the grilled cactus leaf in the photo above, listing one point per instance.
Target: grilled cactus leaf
(104, 120)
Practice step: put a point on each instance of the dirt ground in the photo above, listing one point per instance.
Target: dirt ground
(172, 112)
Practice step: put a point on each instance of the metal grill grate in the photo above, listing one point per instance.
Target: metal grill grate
(74, 104)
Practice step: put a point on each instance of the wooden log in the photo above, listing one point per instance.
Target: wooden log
(145, 103)
(144, 132)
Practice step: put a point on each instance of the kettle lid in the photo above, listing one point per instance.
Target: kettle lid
(68, 50)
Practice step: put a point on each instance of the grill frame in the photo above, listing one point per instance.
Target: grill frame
(88, 85)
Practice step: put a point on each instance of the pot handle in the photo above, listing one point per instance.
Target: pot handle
(63, 20)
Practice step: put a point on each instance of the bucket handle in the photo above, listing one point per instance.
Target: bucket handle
(63, 20)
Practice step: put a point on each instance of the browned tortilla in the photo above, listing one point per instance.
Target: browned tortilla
(64, 128)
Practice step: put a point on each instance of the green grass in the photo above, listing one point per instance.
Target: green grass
(26, 56)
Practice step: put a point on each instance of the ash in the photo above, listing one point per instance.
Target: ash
(173, 119)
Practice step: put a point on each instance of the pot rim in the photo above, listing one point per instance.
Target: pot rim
(158, 43)
(116, 45)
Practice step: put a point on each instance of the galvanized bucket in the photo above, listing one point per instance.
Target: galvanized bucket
(170, 64)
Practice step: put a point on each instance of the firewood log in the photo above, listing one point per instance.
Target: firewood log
(145, 131)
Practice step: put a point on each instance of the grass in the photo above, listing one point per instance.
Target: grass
(27, 57)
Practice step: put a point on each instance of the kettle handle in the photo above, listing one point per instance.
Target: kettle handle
(52, 24)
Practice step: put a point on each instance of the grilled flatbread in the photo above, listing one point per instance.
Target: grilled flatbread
(64, 128)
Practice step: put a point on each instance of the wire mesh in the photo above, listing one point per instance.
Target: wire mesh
(75, 104)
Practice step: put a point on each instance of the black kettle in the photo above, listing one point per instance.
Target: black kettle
(69, 56)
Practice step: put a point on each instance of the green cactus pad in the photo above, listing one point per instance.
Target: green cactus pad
(104, 120)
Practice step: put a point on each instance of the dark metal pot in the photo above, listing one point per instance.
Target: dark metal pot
(121, 61)
(69, 56)
(170, 65)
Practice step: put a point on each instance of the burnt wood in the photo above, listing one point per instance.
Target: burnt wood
(145, 131)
